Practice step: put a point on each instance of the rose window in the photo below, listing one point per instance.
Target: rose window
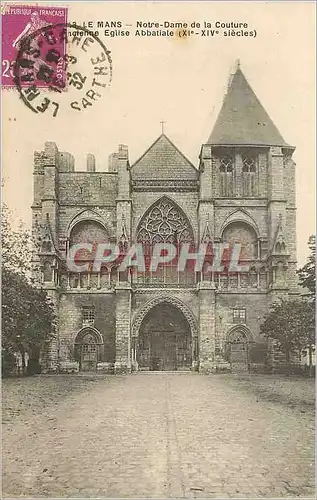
(165, 223)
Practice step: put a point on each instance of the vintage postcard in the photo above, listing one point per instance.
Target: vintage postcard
(158, 249)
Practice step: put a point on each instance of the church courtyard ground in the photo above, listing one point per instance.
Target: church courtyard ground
(158, 435)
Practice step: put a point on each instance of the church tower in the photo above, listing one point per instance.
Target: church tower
(247, 197)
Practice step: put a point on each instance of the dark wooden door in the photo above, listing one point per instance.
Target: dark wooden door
(163, 351)
(239, 356)
(169, 358)
(88, 358)
(183, 351)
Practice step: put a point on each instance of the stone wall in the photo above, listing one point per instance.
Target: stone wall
(87, 188)
(255, 305)
(123, 329)
(207, 337)
(71, 321)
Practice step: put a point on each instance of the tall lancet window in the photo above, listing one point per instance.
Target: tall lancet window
(226, 175)
(249, 175)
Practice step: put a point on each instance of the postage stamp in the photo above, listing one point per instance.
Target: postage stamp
(19, 22)
(76, 79)
(53, 64)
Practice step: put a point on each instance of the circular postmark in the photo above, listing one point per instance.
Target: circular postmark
(62, 66)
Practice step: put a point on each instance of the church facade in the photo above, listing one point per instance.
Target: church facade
(242, 191)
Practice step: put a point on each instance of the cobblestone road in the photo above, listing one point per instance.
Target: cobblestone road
(155, 435)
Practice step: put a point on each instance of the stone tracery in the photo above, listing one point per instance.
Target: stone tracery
(164, 222)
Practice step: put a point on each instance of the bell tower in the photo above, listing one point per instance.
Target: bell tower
(253, 167)
(247, 196)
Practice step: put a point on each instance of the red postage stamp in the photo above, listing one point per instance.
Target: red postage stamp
(21, 24)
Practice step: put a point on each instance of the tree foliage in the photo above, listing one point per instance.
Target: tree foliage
(28, 317)
(307, 274)
(17, 245)
(291, 325)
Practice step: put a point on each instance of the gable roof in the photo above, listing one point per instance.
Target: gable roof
(243, 120)
(163, 160)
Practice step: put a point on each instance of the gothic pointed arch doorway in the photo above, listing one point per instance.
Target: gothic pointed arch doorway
(88, 349)
(238, 348)
(165, 342)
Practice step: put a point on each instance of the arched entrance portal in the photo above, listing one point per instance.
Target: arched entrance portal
(164, 341)
(238, 349)
(88, 349)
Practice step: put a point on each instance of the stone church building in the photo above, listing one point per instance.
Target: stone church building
(242, 190)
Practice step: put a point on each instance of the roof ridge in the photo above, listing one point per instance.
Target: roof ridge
(173, 146)
(179, 151)
(147, 150)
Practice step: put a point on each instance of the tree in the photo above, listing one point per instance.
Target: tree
(291, 325)
(28, 317)
(17, 245)
(307, 274)
(307, 279)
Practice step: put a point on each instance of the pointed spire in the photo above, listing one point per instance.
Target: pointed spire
(242, 119)
(207, 235)
(279, 244)
(46, 239)
(231, 75)
(124, 234)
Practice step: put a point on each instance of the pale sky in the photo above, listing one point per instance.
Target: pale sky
(183, 82)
